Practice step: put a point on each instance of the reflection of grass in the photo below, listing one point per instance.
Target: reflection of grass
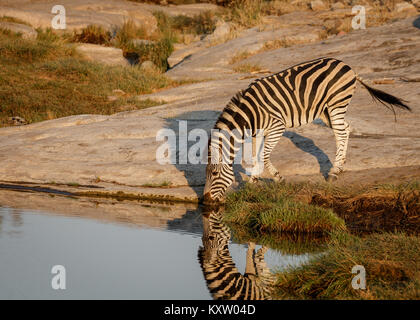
(391, 261)
(286, 243)
(45, 79)
(267, 207)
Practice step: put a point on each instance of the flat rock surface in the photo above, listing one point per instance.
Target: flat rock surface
(107, 13)
(106, 55)
(118, 152)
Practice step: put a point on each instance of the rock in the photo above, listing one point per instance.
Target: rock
(416, 3)
(27, 32)
(318, 5)
(17, 121)
(216, 59)
(183, 52)
(81, 13)
(220, 34)
(106, 55)
(337, 5)
(405, 6)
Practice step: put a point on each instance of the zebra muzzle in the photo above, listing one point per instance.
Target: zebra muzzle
(208, 200)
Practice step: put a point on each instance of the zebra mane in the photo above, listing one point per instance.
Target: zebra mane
(236, 99)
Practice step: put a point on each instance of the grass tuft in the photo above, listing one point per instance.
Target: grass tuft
(267, 207)
(391, 261)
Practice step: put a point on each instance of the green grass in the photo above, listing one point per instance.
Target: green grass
(163, 184)
(391, 261)
(267, 207)
(45, 79)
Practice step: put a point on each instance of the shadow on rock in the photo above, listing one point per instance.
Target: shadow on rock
(308, 145)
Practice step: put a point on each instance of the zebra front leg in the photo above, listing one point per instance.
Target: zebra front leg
(271, 139)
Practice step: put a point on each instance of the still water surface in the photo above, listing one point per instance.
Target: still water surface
(110, 260)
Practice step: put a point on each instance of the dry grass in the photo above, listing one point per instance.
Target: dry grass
(247, 68)
(14, 20)
(376, 208)
(44, 79)
(240, 56)
(92, 34)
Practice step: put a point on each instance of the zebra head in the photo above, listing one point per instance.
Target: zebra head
(218, 178)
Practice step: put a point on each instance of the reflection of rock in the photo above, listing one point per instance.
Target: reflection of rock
(27, 32)
(106, 55)
(222, 277)
(106, 210)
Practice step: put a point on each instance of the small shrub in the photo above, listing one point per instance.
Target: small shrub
(92, 34)
(267, 207)
(127, 33)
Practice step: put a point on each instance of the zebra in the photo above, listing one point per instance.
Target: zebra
(320, 88)
(222, 277)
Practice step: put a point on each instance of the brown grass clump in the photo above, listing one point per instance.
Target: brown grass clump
(92, 34)
(380, 208)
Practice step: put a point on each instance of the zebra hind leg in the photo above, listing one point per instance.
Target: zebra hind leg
(341, 132)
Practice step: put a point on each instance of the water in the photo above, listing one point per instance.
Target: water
(111, 258)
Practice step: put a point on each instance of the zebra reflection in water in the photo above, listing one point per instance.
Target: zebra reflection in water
(222, 277)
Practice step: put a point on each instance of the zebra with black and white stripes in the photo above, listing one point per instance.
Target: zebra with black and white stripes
(320, 88)
(222, 277)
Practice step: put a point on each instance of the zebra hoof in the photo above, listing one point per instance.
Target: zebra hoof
(253, 180)
(278, 177)
(332, 177)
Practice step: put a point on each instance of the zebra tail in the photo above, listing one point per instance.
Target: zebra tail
(389, 101)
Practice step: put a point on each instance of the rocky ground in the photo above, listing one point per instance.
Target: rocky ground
(110, 154)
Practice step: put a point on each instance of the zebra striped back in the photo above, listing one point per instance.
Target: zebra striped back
(222, 277)
(294, 96)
